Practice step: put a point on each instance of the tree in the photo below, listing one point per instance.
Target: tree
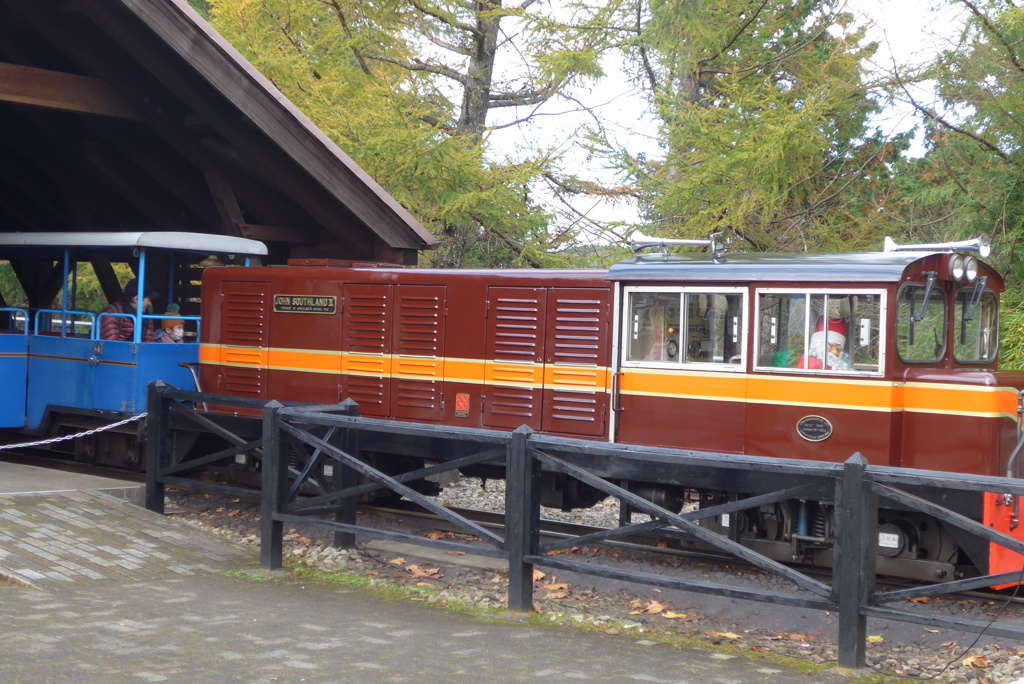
(764, 108)
(408, 89)
(971, 179)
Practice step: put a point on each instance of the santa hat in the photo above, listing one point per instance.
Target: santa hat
(836, 332)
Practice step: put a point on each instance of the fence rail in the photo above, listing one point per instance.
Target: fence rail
(328, 438)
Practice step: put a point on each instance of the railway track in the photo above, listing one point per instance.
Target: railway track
(653, 545)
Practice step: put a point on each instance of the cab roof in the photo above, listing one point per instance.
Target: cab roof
(850, 267)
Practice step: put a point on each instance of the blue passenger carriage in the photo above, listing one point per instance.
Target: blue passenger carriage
(59, 375)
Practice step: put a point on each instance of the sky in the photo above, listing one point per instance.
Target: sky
(906, 30)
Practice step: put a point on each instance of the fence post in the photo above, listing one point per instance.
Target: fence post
(345, 477)
(854, 559)
(274, 484)
(522, 518)
(157, 420)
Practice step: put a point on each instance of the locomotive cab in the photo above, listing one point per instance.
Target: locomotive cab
(60, 375)
(817, 357)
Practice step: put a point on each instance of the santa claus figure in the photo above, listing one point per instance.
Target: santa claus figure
(826, 348)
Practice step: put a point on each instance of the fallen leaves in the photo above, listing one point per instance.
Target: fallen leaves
(875, 639)
(978, 662)
(418, 572)
(724, 635)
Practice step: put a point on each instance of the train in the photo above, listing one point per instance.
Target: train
(892, 354)
(60, 378)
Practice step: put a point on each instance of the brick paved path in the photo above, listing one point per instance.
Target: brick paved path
(49, 540)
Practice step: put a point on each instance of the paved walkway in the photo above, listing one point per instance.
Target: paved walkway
(54, 539)
(214, 628)
(103, 591)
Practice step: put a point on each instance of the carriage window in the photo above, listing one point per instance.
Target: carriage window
(685, 327)
(976, 326)
(920, 325)
(833, 331)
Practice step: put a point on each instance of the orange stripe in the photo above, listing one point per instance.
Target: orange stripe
(710, 386)
(854, 394)
(810, 390)
(960, 399)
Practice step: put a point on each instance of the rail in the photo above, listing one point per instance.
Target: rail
(327, 439)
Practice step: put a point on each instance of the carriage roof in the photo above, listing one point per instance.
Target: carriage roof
(198, 243)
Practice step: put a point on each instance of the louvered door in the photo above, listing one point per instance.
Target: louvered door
(244, 335)
(575, 350)
(417, 363)
(366, 356)
(514, 365)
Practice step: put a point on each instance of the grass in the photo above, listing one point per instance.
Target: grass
(300, 572)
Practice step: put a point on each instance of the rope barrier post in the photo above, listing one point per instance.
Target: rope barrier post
(274, 485)
(856, 542)
(157, 428)
(522, 518)
(346, 477)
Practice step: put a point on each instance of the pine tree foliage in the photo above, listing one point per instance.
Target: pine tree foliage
(408, 87)
(971, 180)
(763, 107)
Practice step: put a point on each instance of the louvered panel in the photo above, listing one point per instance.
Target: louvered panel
(369, 393)
(516, 315)
(514, 367)
(578, 354)
(366, 320)
(365, 362)
(417, 362)
(244, 333)
(518, 374)
(509, 405)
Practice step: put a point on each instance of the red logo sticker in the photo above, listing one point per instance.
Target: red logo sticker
(462, 405)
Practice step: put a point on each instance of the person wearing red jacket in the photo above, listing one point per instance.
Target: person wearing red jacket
(122, 328)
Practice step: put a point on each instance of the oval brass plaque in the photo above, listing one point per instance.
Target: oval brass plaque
(814, 428)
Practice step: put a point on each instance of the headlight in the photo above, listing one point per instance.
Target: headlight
(971, 268)
(956, 267)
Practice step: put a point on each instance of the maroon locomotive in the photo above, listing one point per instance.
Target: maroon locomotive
(803, 356)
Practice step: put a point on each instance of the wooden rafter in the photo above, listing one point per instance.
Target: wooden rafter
(66, 92)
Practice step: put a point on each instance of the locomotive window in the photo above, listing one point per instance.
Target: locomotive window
(654, 326)
(835, 331)
(920, 325)
(976, 326)
(685, 327)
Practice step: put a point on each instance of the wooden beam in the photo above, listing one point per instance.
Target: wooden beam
(227, 205)
(297, 236)
(66, 92)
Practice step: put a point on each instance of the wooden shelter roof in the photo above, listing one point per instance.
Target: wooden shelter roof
(136, 115)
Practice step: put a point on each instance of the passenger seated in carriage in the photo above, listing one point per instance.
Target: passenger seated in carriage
(172, 330)
(122, 328)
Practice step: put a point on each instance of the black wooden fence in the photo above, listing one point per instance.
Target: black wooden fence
(330, 436)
